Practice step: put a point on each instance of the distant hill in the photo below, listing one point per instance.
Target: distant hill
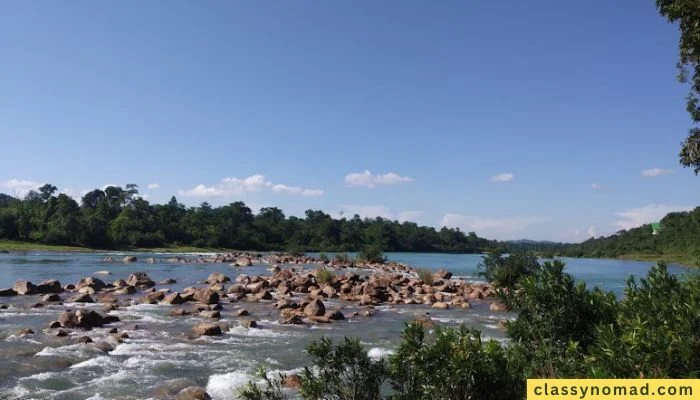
(679, 236)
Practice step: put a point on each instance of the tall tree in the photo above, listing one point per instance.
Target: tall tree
(687, 14)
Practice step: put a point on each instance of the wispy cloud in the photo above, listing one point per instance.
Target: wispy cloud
(654, 172)
(233, 186)
(492, 228)
(19, 187)
(279, 188)
(348, 211)
(635, 217)
(370, 180)
(503, 177)
(153, 186)
(596, 186)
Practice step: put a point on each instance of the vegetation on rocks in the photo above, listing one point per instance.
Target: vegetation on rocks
(562, 329)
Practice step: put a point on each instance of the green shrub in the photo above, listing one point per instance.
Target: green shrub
(456, 364)
(295, 250)
(271, 388)
(506, 272)
(657, 330)
(324, 276)
(323, 256)
(371, 254)
(341, 371)
(426, 276)
(343, 258)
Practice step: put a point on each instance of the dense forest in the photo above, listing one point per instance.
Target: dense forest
(679, 234)
(119, 218)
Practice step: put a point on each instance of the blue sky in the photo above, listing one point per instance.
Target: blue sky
(514, 119)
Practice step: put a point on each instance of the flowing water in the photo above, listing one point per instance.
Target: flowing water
(158, 358)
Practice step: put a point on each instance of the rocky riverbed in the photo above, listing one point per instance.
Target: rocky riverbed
(243, 298)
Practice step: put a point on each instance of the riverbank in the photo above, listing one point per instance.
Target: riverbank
(17, 246)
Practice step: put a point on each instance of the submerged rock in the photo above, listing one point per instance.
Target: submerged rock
(130, 259)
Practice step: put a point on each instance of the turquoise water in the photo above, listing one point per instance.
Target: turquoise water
(159, 355)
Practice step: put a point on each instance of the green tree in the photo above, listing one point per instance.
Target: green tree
(687, 14)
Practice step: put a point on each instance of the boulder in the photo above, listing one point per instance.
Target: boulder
(25, 331)
(24, 287)
(264, 295)
(61, 333)
(286, 303)
(91, 282)
(206, 296)
(7, 292)
(86, 290)
(441, 305)
(104, 346)
(193, 393)
(207, 329)
(242, 312)
(173, 299)
(244, 262)
(49, 286)
(140, 279)
(498, 307)
(84, 339)
(217, 277)
(130, 259)
(283, 289)
(315, 308)
(291, 381)
(54, 324)
(51, 298)
(81, 298)
(442, 274)
(236, 288)
(168, 281)
(84, 319)
(335, 315)
(153, 298)
(107, 299)
(249, 323)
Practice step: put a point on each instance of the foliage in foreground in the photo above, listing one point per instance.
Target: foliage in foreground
(371, 254)
(506, 272)
(562, 329)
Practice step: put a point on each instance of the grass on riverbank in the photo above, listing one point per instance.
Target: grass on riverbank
(683, 259)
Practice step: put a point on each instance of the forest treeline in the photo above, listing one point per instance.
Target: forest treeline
(118, 217)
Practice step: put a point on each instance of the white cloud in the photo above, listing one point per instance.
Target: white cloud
(492, 228)
(635, 217)
(503, 177)
(153, 186)
(654, 172)
(592, 232)
(20, 187)
(577, 232)
(279, 188)
(229, 187)
(348, 211)
(68, 192)
(369, 180)
(596, 186)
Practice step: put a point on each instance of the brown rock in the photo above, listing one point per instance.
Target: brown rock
(498, 307)
(178, 312)
(84, 339)
(168, 281)
(193, 393)
(206, 296)
(207, 329)
(217, 277)
(249, 323)
(129, 259)
(153, 298)
(25, 331)
(315, 308)
(49, 286)
(61, 333)
(335, 315)
(242, 312)
(7, 292)
(94, 283)
(140, 279)
(210, 314)
(49, 298)
(81, 298)
(292, 381)
(441, 305)
(24, 287)
(173, 299)
(264, 295)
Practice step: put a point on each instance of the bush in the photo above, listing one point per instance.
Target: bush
(506, 272)
(341, 371)
(324, 276)
(657, 330)
(271, 388)
(372, 254)
(343, 258)
(323, 257)
(457, 365)
(426, 276)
